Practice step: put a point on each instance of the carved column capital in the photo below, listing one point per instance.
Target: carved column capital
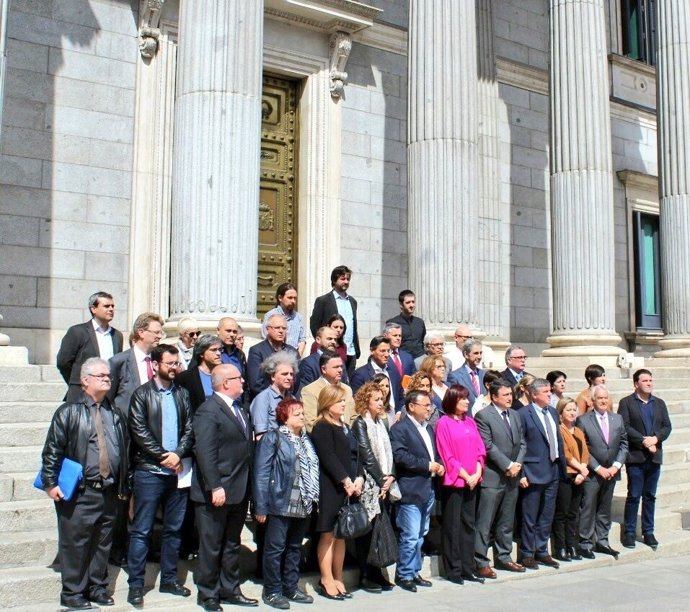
(340, 45)
(149, 33)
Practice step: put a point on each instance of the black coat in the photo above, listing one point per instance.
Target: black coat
(78, 345)
(629, 409)
(324, 308)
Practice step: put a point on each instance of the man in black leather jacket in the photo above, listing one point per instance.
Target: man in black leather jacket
(94, 434)
(160, 426)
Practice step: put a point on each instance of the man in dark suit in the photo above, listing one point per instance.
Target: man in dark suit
(516, 360)
(339, 302)
(402, 360)
(469, 374)
(223, 450)
(95, 338)
(309, 368)
(647, 424)
(412, 328)
(379, 363)
(276, 329)
(416, 463)
(607, 442)
(505, 445)
(541, 470)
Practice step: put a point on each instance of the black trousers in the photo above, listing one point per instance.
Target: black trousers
(217, 571)
(458, 530)
(565, 520)
(85, 534)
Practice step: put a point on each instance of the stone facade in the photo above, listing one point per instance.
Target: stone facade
(87, 179)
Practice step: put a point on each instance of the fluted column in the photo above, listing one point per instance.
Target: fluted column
(581, 183)
(216, 160)
(673, 107)
(443, 161)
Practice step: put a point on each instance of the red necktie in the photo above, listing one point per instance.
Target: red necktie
(397, 362)
(475, 382)
(149, 369)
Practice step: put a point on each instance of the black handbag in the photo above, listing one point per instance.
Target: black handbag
(352, 522)
(384, 545)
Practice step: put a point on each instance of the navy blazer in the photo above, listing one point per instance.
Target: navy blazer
(366, 373)
(412, 461)
(462, 377)
(309, 371)
(537, 466)
(324, 308)
(407, 361)
(256, 380)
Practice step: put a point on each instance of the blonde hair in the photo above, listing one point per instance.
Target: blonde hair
(563, 402)
(363, 397)
(521, 388)
(329, 395)
(429, 363)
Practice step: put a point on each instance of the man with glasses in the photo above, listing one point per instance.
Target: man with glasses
(90, 432)
(434, 343)
(416, 463)
(462, 334)
(516, 360)
(188, 332)
(160, 427)
(276, 330)
(95, 338)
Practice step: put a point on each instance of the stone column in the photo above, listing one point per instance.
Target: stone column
(443, 161)
(217, 146)
(581, 183)
(673, 108)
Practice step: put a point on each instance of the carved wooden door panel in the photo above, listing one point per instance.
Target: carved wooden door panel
(278, 189)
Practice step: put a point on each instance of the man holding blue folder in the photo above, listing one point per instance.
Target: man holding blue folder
(92, 433)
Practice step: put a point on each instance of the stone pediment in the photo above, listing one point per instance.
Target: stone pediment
(325, 15)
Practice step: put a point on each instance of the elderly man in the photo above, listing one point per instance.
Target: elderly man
(332, 370)
(516, 360)
(470, 375)
(276, 329)
(402, 360)
(160, 426)
(286, 300)
(434, 342)
(223, 449)
(607, 442)
(188, 332)
(92, 433)
(309, 368)
(95, 338)
(412, 328)
(281, 369)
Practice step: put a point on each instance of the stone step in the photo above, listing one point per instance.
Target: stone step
(677, 475)
(19, 486)
(680, 421)
(20, 458)
(50, 373)
(20, 374)
(678, 407)
(674, 454)
(27, 412)
(27, 515)
(21, 548)
(33, 392)
(678, 437)
(23, 434)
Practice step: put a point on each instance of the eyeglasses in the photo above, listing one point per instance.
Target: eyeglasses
(427, 406)
(100, 376)
(160, 333)
(233, 378)
(174, 364)
(193, 334)
(520, 357)
(463, 337)
(281, 327)
(436, 343)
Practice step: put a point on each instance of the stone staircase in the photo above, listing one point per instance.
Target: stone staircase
(29, 395)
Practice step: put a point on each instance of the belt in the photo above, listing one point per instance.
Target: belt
(94, 484)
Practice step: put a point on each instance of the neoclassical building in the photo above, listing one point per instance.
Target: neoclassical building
(522, 165)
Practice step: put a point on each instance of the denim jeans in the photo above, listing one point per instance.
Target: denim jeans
(282, 551)
(150, 491)
(642, 481)
(413, 522)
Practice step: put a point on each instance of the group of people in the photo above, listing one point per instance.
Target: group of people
(204, 433)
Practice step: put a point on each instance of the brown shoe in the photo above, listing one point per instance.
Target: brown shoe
(486, 572)
(548, 560)
(530, 563)
(509, 566)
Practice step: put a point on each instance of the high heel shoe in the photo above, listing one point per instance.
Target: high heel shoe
(321, 590)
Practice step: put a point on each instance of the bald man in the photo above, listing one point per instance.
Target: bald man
(276, 331)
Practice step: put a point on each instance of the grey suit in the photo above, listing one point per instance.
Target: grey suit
(595, 512)
(125, 379)
(498, 493)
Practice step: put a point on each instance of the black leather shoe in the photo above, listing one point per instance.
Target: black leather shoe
(419, 581)
(574, 554)
(101, 597)
(586, 553)
(408, 585)
(385, 585)
(650, 540)
(277, 601)
(370, 586)
(211, 604)
(237, 599)
(562, 555)
(175, 588)
(321, 590)
(455, 580)
(135, 596)
(472, 577)
(628, 540)
(300, 597)
(118, 560)
(606, 550)
(75, 602)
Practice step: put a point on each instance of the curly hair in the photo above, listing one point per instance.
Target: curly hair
(415, 381)
(363, 397)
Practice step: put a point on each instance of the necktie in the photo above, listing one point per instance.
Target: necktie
(506, 422)
(397, 362)
(553, 448)
(603, 419)
(238, 415)
(474, 379)
(149, 369)
(103, 460)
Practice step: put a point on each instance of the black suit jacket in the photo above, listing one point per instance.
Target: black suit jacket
(190, 380)
(324, 308)
(78, 345)
(223, 451)
(629, 409)
(257, 381)
(366, 372)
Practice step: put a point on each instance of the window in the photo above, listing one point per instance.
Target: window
(638, 28)
(647, 271)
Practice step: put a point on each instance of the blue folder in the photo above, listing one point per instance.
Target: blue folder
(71, 474)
